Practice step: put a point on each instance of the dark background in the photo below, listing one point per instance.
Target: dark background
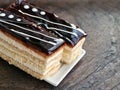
(100, 67)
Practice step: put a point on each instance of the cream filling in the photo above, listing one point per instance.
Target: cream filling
(42, 65)
(19, 59)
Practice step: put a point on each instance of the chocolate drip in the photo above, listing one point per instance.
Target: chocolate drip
(69, 32)
(33, 36)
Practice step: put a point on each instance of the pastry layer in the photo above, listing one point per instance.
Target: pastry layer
(29, 62)
(26, 69)
(71, 53)
(38, 62)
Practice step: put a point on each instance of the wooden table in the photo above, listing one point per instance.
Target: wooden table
(100, 67)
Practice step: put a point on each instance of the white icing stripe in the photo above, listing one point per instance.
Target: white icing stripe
(73, 26)
(32, 37)
(63, 31)
(29, 30)
(44, 19)
(81, 31)
(63, 36)
(29, 35)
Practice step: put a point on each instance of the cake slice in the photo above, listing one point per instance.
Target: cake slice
(34, 50)
(74, 36)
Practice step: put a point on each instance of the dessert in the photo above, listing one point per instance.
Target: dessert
(32, 49)
(73, 36)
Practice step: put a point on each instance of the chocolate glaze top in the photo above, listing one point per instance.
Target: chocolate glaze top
(67, 31)
(35, 37)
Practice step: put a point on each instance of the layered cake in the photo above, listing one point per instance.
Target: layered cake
(32, 49)
(73, 36)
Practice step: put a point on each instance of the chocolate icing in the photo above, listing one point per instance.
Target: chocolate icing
(37, 38)
(65, 30)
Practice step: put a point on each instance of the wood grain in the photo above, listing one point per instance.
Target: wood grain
(100, 67)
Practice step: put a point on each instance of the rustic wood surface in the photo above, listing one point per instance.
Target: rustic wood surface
(100, 67)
